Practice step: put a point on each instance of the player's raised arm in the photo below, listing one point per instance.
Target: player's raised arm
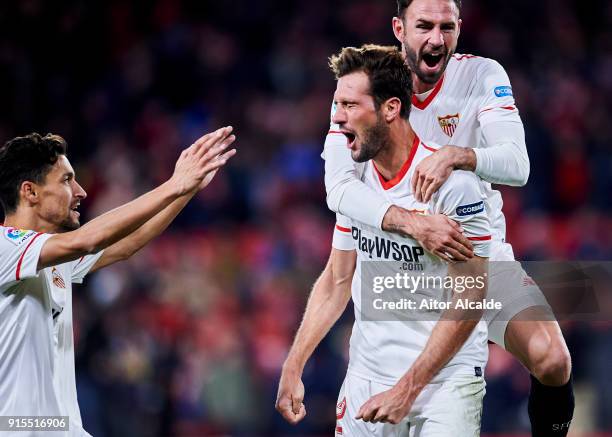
(194, 165)
(343, 185)
(503, 159)
(128, 246)
(326, 304)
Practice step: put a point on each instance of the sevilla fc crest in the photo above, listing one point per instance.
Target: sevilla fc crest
(341, 409)
(449, 123)
(58, 281)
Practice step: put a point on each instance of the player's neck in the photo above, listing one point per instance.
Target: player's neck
(420, 87)
(392, 158)
(22, 219)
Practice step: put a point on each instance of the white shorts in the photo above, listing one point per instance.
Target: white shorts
(513, 288)
(451, 408)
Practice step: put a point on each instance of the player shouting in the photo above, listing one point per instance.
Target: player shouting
(43, 250)
(466, 103)
(417, 377)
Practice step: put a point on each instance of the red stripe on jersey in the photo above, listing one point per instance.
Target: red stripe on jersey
(400, 175)
(335, 132)
(342, 229)
(425, 103)
(82, 258)
(339, 430)
(483, 238)
(18, 271)
(509, 108)
(426, 147)
(462, 57)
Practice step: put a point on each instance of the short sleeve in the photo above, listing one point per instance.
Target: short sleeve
(495, 95)
(82, 266)
(343, 238)
(462, 199)
(19, 254)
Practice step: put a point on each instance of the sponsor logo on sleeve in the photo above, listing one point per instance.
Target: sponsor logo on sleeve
(503, 91)
(17, 236)
(471, 209)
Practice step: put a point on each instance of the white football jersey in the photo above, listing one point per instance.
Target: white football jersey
(37, 376)
(383, 351)
(473, 92)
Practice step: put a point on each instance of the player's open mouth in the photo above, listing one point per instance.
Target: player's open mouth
(75, 209)
(432, 60)
(350, 138)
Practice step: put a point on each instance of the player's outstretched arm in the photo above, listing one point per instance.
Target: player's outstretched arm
(326, 303)
(128, 246)
(436, 233)
(192, 168)
(502, 160)
(448, 336)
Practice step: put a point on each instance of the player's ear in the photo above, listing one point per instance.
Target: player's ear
(29, 192)
(459, 23)
(398, 28)
(391, 109)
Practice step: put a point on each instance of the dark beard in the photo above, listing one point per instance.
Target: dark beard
(413, 61)
(68, 225)
(375, 138)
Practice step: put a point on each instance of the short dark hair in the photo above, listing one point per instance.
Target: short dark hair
(402, 5)
(385, 66)
(27, 158)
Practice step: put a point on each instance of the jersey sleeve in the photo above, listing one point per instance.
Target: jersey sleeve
(461, 198)
(343, 238)
(346, 193)
(19, 254)
(82, 266)
(495, 95)
(502, 155)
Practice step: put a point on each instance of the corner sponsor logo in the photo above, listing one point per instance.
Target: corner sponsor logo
(503, 91)
(471, 209)
(17, 236)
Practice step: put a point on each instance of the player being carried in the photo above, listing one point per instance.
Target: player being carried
(465, 103)
(422, 377)
(43, 250)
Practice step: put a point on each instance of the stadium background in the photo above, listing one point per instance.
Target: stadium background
(189, 336)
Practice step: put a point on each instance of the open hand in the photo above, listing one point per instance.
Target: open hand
(199, 163)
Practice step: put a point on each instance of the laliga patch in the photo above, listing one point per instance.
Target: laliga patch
(503, 91)
(17, 236)
(471, 209)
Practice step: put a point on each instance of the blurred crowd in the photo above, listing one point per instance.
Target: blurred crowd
(188, 337)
